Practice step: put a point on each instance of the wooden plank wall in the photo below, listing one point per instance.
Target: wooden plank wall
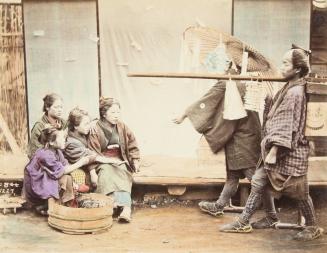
(12, 79)
(316, 126)
(319, 41)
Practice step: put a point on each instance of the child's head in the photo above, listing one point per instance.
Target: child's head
(79, 120)
(110, 110)
(52, 137)
(295, 64)
(53, 105)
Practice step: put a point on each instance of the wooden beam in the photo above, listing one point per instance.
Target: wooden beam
(319, 145)
(15, 177)
(9, 137)
(207, 193)
(317, 88)
(181, 181)
(282, 225)
(313, 80)
(206, 76)
(10, 1)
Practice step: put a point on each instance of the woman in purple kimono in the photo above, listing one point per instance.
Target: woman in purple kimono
(283, 167)
(47, 174)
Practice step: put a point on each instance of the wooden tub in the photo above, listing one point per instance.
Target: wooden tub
(81, 220)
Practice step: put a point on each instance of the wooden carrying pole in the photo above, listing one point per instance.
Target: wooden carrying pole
(207, 76)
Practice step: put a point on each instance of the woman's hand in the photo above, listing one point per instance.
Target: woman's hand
(84, 161)
(80, 163)
(271, 158)
(180, 119)
(94, 178)
(92, 158)
(107, 160)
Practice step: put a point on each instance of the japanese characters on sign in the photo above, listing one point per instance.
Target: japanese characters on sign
(12, 188)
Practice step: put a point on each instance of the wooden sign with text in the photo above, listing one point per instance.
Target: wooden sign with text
(10, 187)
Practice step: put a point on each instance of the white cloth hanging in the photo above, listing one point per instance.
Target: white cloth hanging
(233, 104)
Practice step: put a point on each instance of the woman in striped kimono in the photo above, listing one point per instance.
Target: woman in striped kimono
(111, 138)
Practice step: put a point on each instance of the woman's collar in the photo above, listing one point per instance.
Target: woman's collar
(107, 123)
(54, 122)
(77, 136)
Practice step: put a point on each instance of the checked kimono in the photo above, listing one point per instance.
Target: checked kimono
(284, 127)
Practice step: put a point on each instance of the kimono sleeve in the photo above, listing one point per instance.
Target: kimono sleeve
(284, 122)
(34, 143)
(74, 152)
(201, 112)
(132, 146)
(53, 166)
(94, 140)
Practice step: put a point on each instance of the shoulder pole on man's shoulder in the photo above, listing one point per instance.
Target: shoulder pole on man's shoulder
(206, 76)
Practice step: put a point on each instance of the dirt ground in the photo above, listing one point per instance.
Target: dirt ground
(174, 228)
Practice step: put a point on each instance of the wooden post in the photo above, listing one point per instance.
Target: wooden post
(9, 137)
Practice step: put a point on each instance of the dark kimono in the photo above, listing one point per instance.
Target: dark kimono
(34, 143)
(114, 178)
(76, 148)
(240, 138)
(44, 177)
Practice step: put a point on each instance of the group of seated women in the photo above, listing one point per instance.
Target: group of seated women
(80, 155)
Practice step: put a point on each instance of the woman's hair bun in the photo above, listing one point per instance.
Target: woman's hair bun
(48, 134)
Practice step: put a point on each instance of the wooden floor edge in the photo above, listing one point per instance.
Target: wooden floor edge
(18, 177)
(146, 180)
(165, 180)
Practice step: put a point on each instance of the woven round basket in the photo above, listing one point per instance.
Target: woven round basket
(81, 220)
(207, 39)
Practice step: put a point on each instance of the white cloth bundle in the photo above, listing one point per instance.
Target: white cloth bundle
(233, 104)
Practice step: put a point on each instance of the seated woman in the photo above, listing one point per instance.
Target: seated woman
(76, 144)
(46, 175)
(112, 138)
(53, 109)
